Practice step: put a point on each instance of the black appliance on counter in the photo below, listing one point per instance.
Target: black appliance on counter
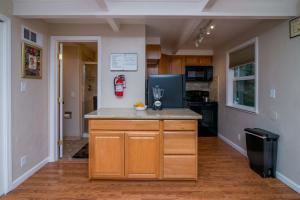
(199, 73)
(196, 101)
(173, 86)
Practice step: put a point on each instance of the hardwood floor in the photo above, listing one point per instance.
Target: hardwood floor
(223, 174)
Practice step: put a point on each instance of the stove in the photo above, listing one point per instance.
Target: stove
(195, 100)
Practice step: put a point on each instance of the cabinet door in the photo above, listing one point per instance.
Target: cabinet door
(164, 64)
(177, 64)
(192, 60)
(205, 61)
(106, 154)
(180, 167)
(142, 154)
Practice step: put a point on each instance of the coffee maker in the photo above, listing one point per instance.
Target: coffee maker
(157, 96)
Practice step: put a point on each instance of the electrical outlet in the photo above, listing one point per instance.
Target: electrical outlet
(239, 137)
(23, 161)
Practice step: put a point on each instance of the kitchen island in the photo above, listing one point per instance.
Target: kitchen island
(155, 145)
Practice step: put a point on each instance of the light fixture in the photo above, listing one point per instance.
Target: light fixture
(200, 39)
(204, 31)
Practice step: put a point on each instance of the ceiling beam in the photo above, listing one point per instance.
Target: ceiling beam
(115, 26)
(188, 31)
(103, 5)
(208, 4)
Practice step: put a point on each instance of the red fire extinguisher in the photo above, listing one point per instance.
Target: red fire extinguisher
(119, 85)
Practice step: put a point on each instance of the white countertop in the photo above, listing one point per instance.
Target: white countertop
(131, 113)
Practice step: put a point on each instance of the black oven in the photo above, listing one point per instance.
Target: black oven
(198, 73)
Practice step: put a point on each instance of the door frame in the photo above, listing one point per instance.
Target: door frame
(53, 86)
(5, 116)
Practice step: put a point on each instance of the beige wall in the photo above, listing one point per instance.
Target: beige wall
(130, 39)
(71, 89)
(278, 68)
(30, 108)
(6, 7)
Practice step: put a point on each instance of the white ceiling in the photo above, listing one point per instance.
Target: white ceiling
(176, 22)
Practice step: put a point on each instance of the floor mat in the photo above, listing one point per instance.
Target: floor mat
(83, 152)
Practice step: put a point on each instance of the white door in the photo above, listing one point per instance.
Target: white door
(61, 101)
(2, 150)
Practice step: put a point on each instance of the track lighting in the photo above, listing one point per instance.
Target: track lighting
(204, 31)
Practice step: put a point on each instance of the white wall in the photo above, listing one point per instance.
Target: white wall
(279, 68)
(130, 39)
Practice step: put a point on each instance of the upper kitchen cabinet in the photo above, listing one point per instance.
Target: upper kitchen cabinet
(153, 54)
(177, 65)
(164, 64)
(198, 60)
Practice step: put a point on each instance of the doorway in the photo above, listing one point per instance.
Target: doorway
(5, 105)
(74, 73)
(78, 91)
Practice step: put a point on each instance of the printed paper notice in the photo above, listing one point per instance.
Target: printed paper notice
(123, 61)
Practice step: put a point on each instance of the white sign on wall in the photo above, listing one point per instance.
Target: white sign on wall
(123, 61)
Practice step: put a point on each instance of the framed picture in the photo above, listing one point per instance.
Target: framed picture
(295, 27)
(31, 61)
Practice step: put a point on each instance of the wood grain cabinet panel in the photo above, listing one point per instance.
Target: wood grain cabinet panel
(180, 142)
(142, 154)
(180, 167)
(177, 65)
(180, 125)
(124, 125)
(198, 60)
(107, 154)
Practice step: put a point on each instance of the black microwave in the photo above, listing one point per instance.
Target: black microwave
(198, 73)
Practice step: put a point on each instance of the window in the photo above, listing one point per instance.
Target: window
(242, 68)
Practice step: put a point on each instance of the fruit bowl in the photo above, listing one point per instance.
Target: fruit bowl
(139, 108)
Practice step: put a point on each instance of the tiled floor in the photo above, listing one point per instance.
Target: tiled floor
(71, 147)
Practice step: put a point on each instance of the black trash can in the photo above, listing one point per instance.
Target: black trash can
(262, 151)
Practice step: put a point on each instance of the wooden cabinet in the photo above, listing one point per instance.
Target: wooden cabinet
(198, 60)
(173, 64)
(143, 149)
(180, 149)
(177, 65)
(153, 53)
(180, 167)
(106, 154)
(164, 64)
(179, 142)
(142, 154)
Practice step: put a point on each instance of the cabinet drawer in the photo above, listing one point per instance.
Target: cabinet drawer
(180, 125)
(124, 125)
(180, 167)
(180, 142)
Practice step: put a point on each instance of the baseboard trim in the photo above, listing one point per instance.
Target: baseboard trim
(235, 146)
(287, 181)
(28, 174)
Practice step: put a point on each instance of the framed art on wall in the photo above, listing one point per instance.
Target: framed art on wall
(295, 27)
(31, 61)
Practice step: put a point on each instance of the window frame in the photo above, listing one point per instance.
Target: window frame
(230, 78)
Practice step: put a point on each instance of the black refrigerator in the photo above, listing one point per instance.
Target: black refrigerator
(174, 90)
